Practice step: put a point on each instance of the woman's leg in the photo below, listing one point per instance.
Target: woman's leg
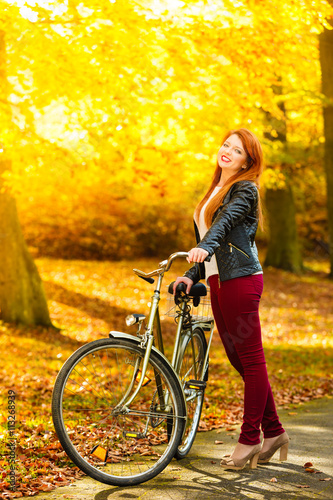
(237, 302)
(270, 424)
(221, 327)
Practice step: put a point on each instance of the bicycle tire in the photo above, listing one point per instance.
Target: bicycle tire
(194, 398)
(117, 449)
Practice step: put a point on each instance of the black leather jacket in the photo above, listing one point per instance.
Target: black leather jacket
(231, 235)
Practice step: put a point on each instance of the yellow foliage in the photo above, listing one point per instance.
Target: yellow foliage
(274, 179)
(108, 102)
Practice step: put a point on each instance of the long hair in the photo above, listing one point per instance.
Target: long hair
(252, 172)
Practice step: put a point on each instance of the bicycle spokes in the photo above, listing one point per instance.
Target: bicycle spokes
(107, 434)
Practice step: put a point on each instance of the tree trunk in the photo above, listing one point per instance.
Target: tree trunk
(22, 297)
(283, 248)
(326, 61)
(283, 251)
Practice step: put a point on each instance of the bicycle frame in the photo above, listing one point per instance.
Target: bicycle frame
(148, 337)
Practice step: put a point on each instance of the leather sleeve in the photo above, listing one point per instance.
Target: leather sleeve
(194, 274)
(197, 271)
(243, 199)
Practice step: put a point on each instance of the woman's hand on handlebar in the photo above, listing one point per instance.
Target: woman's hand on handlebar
(197, 255)
(194, 255)
(183, 279)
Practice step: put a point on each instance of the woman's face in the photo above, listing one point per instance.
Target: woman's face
(231, 156)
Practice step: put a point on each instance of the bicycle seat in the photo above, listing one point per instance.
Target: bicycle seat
(197, 290)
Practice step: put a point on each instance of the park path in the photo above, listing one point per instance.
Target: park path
(199, 476)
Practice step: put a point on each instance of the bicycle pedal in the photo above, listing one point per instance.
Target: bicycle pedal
(100, 453)
(130, 434)
(195, 384)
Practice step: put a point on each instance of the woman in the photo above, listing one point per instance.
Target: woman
(226, 221)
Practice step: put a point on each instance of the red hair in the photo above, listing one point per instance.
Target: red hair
(252, 172)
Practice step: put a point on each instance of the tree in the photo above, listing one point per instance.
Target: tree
(283, 247)
(326, 61)
(113, 98)
(22, 298)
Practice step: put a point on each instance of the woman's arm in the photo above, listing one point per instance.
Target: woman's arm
(194, 255)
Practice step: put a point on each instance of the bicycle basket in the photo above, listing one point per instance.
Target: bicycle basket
(203, 312)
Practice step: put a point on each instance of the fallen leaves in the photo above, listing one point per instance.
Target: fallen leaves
(43, 486)
(308, 466)
(83, 301)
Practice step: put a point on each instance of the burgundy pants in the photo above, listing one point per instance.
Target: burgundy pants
(235, 305)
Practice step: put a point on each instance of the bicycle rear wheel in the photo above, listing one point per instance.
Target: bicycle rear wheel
(191, 363)
(108, 442)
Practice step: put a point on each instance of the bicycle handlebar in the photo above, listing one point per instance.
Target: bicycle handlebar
(164, 266)
(172, 257)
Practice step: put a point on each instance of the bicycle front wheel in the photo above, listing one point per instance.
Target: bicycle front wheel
(110, 442)
(191, 359)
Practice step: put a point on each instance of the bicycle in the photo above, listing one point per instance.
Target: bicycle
(120, 409)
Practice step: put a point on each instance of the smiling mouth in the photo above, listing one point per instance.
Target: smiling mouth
(225, 159)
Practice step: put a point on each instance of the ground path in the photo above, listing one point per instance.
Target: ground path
(200, 477)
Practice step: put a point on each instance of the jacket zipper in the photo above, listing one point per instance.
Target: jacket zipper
(234, 246)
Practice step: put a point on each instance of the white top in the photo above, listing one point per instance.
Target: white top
(210, 267)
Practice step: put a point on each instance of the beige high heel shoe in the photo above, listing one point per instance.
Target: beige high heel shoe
(239, 463)
(280, 443)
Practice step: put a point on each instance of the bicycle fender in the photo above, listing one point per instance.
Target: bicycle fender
(136, 340)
